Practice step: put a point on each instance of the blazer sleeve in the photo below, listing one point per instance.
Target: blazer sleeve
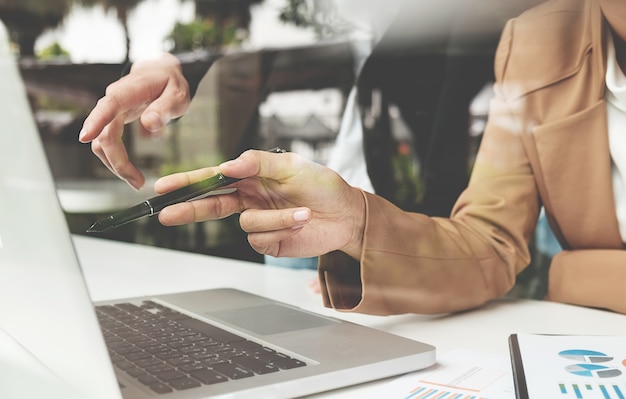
(571, 282)
(195, 69)
(412, 263)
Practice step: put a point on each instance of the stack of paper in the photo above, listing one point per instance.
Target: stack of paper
(569, 367)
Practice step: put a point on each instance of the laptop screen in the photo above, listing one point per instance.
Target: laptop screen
(44, 305)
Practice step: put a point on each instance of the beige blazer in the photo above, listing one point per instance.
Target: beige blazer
(546, 143)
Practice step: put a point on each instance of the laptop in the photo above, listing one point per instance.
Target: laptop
(213, 343)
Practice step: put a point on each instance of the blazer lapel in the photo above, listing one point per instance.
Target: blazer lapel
(570, 154)
(575, 163)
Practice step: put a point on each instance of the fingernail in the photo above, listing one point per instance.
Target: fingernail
(134, 183)
(83, 133)
(301, 216)
(231, 163)
(153, 121)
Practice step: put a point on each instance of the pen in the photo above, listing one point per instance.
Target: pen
(154, 205)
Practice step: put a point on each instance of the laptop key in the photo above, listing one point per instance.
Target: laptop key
(143, 363)
(179, 361)
(281, 361)
(211, 331)
(232, 370)
(138, 356)
(136, 372)
(159, 387)
(129, 307)
(165, 355)
(208, 377)
(124, 365)
(191, 367)
(159, 368)
(184, 383)
(210, 362)
(255, 365)
(248, 345)
(174, 316)
(147, 380)
(169, 376)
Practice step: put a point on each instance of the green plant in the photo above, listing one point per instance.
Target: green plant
(53, 51)
(200, 34)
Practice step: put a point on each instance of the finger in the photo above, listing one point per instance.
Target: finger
(97, 149)
(314, 285)
(256, 220)
(211, 208)
(172, 103)
(143, 132)
(271, 242)
(109, 148)
(121, 166)
(113, 129)
(106, 110)
(177, 180)
(265, 164)
(120, 100)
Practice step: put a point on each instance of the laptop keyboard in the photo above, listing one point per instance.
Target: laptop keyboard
(167, 350)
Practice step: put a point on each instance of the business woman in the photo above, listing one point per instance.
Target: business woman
(554, 139)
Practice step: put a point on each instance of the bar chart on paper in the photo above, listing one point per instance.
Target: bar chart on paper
(574, 367)
(461, 374)
(425, 392)
(592, 391)
(457, 381)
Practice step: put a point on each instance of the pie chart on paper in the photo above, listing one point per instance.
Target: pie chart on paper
(585, 356)
(593, 370)
(587, 363)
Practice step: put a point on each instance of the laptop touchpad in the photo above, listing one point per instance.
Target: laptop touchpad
(271, 319)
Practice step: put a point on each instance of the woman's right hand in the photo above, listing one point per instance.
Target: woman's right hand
(155, 91)
(289, 206)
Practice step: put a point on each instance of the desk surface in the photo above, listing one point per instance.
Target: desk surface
(117, 270)
(106, 195)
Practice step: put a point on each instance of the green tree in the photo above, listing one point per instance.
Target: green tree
(319, 15)
(200, 34)
(217, 21)
(27, 19)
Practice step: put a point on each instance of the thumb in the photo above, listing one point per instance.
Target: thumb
(264, 164)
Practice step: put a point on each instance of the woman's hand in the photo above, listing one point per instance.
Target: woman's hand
(289, 206)
(154, 92)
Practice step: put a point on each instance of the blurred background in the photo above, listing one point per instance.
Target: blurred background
(267, 72)
(70, 50)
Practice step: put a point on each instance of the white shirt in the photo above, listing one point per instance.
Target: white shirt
(616, 118)
(347, 157)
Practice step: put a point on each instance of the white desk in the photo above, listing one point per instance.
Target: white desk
(117, 270)
(106, 195)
